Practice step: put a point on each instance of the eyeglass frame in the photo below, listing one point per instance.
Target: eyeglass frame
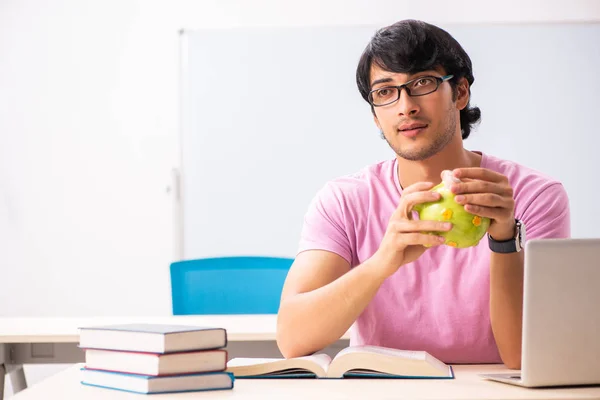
(438, 79)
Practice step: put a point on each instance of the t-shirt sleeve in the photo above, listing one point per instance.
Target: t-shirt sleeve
(324, 227)
(548, 215)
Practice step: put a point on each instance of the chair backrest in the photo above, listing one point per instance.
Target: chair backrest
(228, 285)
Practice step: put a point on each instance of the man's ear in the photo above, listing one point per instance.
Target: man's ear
(462, 93)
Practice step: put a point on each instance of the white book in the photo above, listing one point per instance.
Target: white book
(152, 338)
(352, 362)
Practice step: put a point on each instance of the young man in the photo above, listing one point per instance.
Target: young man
(362, 260)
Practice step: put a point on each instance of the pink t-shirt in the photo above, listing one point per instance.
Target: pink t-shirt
(440, 302)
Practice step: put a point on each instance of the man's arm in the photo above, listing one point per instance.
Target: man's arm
(321, 299)
(506, 305)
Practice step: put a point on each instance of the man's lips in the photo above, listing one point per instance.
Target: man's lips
(412, 130)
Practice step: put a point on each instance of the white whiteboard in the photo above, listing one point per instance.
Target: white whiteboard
(259, 137)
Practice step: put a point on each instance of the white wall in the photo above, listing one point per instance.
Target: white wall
(89, 127)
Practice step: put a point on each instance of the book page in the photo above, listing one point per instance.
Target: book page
(375, 360)
(406, 354)
(322, 360)
(241, 361)
(316, 363)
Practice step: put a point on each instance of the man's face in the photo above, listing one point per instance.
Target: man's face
(435, 115)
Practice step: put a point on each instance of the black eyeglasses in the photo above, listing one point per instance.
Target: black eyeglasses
(417, 87)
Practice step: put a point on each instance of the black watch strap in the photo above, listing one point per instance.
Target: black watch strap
(512, 245)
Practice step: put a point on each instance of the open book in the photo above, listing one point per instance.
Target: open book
(352, 362)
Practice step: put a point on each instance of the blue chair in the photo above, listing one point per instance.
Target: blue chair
(228, 285)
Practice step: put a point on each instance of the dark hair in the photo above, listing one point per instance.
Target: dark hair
(411, 46)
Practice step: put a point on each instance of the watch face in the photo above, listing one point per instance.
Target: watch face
(520, 234)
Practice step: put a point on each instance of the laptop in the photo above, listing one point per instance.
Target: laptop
(561, 315)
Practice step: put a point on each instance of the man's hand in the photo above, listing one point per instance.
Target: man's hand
(406, 239)
(488, 194)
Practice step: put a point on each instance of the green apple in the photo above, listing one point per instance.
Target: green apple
(467, 229)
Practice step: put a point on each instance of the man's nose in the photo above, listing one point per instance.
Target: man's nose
(407, 105)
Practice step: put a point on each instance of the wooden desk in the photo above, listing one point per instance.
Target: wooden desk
(56, 340)
(467, 385)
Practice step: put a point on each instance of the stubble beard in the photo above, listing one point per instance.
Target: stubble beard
(442, 139)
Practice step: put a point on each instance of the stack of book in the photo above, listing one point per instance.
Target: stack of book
(150, 358)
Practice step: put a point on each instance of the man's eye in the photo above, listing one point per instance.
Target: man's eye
(385, 93)
(424, 82)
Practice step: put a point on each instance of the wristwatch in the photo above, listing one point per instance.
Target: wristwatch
(513, 245)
